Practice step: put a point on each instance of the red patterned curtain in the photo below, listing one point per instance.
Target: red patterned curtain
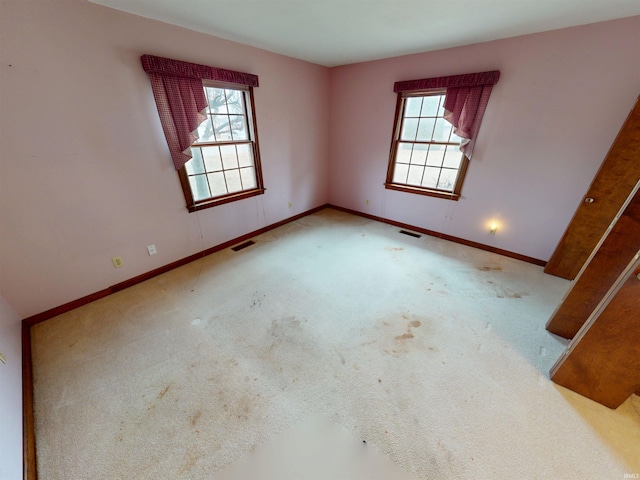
(181, 101)
(465, 101)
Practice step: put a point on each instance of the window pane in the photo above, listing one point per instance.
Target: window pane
(229, 157)
(447, 179)
(205, 131)
(217, 101)
(425, 129)
(403, 154)
(419, 155)
(452, 157)
(409, 129)
(245, 155)
(233, 180)
(199, 187)
(442, 130)
(412, 106)
(238, 128)
(415, 174)
(427, 152)
(212, 161)
(430, 179)
(430, 105)
(400, 172)
(436, 154)
(248, 176)
(234, 101)
(221, 125)
(195, 165)
(218, 185)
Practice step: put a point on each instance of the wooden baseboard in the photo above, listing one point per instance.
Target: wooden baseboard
(29, 442)
(53, 312)
(30, 471)
(444, 236)
(29, 466)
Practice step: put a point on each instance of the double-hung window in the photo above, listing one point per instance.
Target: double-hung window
(225, 163)
(425, 154)
(436, 126)
(208, 118)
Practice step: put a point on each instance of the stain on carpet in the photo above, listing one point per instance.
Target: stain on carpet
(164, 392)
(195, 418)
(409, 334)
(405, 336)
(502, 292)
(342, 359)
(190, 459)
(385, 334)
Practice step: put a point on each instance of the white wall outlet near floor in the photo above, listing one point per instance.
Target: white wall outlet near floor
(117, 262)
(152, 249)
(290, 204)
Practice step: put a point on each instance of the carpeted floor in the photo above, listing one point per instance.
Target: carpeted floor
(433, 353)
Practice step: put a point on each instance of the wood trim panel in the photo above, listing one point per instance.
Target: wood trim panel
(444, 236)
(226, 199)
(67, 307)
(29, 466)
(608, 191)
(423, 191)
(596, 278)
(602, 361)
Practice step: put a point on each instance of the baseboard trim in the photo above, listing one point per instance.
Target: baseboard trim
(29, 466)
(67, 307)
(30, 471)
(444, 236)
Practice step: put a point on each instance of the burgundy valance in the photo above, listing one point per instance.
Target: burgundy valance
(181, 101)
(178, 68)
(465, 101)
(452, 81)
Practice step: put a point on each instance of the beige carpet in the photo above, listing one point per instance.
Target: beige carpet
(433, 353)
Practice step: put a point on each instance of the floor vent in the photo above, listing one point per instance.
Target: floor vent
(243, 245)
(411, 234)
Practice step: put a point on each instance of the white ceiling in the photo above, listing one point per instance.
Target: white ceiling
(339, 32)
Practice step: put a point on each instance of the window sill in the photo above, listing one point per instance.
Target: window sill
(423, 191)
(226, 199)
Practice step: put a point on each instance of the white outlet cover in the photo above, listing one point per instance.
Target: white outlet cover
(152, 249)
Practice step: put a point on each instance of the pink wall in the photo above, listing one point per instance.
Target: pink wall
(560, 101)
(86, 174)
(10, 394)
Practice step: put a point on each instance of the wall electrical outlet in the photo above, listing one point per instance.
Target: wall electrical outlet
(366, 202)
(152, 249)
(290, 204)
(117, 262)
